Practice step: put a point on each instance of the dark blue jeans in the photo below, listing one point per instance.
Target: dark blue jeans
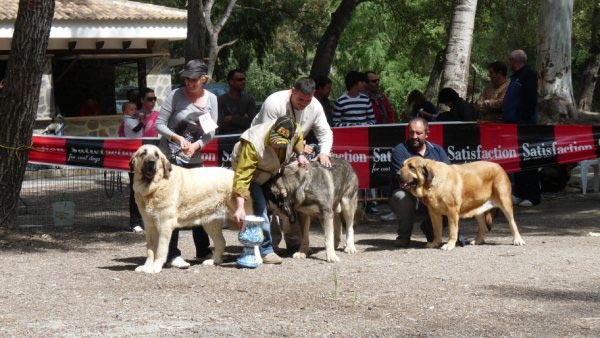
(260, 209)
(200, 236)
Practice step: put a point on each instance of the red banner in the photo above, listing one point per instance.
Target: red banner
(368, 149)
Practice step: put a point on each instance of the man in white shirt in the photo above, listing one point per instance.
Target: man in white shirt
(300, 103)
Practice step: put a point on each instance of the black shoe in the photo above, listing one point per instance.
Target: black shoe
(402, 242)
(201, 257)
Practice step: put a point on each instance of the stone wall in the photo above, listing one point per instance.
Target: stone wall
(100, 126)
(159, 72)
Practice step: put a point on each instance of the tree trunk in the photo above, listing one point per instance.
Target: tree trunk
(328, 44)
(555, 91)
(590, 74)
(458, 49)
(435, 77)
(19, 99)
(214, 30)
(196, 32)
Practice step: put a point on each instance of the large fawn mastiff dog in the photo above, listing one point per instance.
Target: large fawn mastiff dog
(459, 191)
(171, 197)
(320, 192)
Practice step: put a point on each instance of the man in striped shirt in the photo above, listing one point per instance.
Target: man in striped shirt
(353, 108)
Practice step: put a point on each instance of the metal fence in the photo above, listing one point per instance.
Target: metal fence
(54, 195)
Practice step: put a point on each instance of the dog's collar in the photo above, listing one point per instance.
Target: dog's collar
(424, 200)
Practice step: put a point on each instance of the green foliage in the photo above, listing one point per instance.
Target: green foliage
(397, 38)
(262, 82)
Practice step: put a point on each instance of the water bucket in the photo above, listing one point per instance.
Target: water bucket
(63, 213)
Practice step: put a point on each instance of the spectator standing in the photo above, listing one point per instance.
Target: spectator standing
(460, 110)
(489, 103)
(236, 108)
(300, 103)
(402, 202)
(147, 113)
(421, 107)
(382, 109)
(353, 108)
(520, 107)
(132, 127)
(257, 157)
(187, 122)
(322, 91)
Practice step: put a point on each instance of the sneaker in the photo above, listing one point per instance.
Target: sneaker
(525, 203)
(390, 216)
(179, 263)
(272, 258)
(516, 200)
(137, 229)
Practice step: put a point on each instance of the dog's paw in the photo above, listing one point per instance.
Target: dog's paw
(300, 255)
(478, 241)
(432, 245)
(350, 249)
(518, 241)
(145, 269)
(208, 262)
(448, 246)
(332, 258)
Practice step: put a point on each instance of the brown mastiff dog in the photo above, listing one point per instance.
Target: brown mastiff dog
(459, 191)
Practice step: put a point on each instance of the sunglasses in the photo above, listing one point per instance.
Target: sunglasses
(241, 79)
(374, 81)
(151, 98)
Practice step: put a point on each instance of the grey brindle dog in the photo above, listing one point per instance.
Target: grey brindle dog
(319, 192)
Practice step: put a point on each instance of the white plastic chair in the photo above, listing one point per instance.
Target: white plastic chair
(585, 167)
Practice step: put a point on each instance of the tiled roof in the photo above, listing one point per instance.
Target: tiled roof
(100, 10)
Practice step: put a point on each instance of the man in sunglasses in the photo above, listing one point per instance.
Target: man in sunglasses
(384, 113)
(236, 108)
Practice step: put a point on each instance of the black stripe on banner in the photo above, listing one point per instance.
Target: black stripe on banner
(535, 146)
(382, 139)
(596, 133)
(85, 152)
(225, 149)
(461, 142)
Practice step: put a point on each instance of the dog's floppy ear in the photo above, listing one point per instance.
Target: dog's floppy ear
(167, 167)
(428, 173)
(132, 164)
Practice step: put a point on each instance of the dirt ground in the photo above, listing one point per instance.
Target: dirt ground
(80, 282)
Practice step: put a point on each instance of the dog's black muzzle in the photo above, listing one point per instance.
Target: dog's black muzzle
(149, 169)
(280, 202)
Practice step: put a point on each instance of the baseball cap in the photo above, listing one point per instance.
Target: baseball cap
(194, 69)
(282, 131)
